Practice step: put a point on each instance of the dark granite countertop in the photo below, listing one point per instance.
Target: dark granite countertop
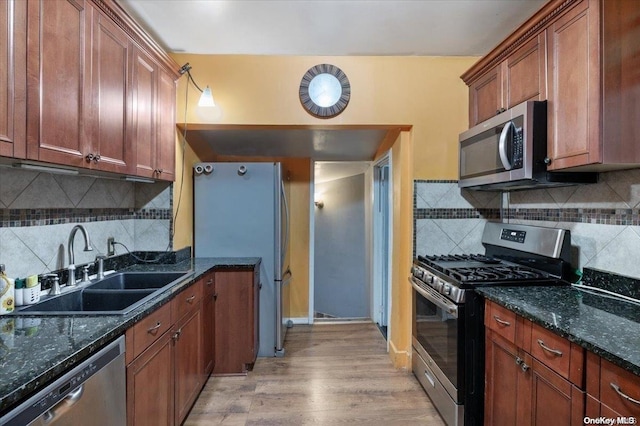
(36, 350)
(606, 326)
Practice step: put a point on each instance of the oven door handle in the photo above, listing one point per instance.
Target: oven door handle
(435, 298)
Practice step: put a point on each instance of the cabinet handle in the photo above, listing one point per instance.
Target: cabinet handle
(548, 349)
(209, 282)
(190, 299)
(176, 335)
(215, 296)
(153, 330)
(501, 321)
(623, 395)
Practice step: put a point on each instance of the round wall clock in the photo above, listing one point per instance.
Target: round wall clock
(325, 91)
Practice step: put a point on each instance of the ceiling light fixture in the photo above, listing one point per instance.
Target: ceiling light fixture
(206, 98)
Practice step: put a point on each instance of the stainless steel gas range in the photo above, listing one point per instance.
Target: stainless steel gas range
(448, 315)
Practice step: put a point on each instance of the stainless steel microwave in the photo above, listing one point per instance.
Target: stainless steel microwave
(508, 152)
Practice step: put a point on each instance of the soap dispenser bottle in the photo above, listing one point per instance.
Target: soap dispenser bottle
(6, 292)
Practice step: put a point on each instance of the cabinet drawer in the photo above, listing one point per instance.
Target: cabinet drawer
(186, 300)
(501, 320)
(618, 388)
(557, 353)
(147, 331)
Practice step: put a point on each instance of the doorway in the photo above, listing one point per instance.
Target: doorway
(341, 289)
(351, 240)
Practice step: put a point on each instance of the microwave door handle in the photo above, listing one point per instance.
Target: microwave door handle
(502, 145)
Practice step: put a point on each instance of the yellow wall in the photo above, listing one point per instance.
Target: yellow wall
(423, 92)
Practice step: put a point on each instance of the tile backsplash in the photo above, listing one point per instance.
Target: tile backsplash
(604, 218)
(38, 211)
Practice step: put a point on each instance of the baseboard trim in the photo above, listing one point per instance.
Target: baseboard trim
(299, 320)
(400, 359)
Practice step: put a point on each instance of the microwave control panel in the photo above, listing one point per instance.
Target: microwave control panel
(518, 148)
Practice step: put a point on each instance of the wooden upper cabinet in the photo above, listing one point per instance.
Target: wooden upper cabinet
(13, 40)
(518, 78)
(485, 96)
(110, 97)
(594, 98)
(58, 80)
(101, 94)
(153, 127)
(574, 81)
(166, 125)
(582, 56)
(524, 73)
(143, 132)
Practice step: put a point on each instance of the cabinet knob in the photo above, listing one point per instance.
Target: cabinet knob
(190, 299)
(92, 157)
(547, 160)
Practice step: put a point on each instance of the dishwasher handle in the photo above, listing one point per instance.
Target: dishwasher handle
(63, 406)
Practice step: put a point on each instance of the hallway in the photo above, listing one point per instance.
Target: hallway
(331, 374)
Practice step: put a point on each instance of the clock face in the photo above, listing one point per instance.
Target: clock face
(325, 91)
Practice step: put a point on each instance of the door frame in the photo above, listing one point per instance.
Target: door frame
(381, 281)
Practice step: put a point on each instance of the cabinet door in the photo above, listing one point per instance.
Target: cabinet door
(150, 383)
(208, 326)
(58, 80)
(553, 399)
(501, 380)
(574, 88)
(143, 132)
(525, 74)
(110, 85)
(234, 339)
(13, 39)
(166, 138)
(188, 362)
(485, 97)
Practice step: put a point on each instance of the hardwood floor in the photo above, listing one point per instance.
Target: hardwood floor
(331, 374)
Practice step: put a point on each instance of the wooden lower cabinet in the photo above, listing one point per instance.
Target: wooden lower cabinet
(236, 320)
(208, 326)
(150, 385)
(188, 362)
(165, 378)
(520, 389)
(501, 373)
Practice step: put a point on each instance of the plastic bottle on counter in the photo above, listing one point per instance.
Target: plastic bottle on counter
(19, 291)
(31, 291)
(6, 292)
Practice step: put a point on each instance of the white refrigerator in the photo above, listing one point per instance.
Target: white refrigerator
(241, 210)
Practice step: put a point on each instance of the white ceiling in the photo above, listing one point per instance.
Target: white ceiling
(331, 27)
(323, 28)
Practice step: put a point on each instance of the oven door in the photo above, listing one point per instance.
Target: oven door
(438, 335)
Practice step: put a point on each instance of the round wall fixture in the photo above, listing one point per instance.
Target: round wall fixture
(325, 91)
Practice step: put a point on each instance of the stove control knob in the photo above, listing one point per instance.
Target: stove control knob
(447, 289)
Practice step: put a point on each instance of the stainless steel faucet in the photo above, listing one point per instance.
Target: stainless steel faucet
(72, 259)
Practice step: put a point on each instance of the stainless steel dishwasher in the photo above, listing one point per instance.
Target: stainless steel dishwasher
(93, 392)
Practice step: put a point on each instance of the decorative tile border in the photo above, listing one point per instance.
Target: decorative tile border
(41, 217)
(623, 217)
(456, 213)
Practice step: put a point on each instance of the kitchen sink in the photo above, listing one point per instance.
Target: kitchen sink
(136, 280)
(115, 294)
(90, 301)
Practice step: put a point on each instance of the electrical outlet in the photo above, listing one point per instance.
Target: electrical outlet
(111, 250)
